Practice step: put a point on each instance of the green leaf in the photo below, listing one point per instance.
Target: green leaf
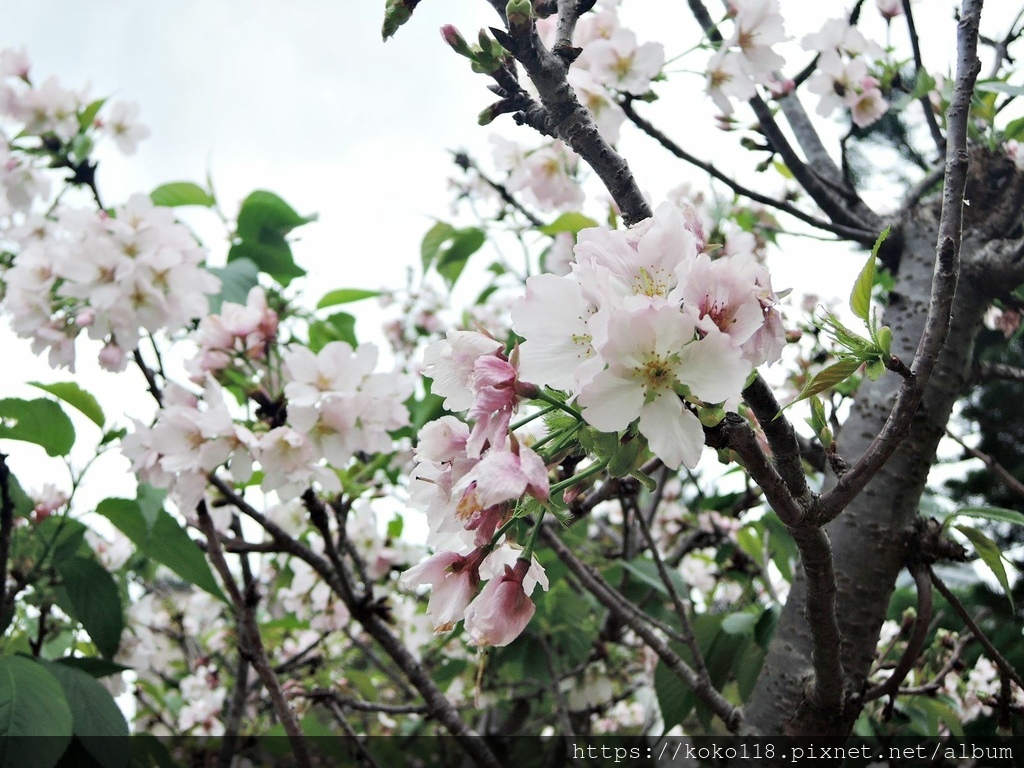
(996, 514)
(345, 296)
(740, 623)
(97, 721)
(236, 280)
(151, 502)
(452, 260)
(181, 193)
(88, 115)
(32, 704)
(340, 326)
(436, 236)
(263, 221)
(860, 298)
(827, 378)
(76, 397)
(273, 257)
(41, 421)
(568, 222)
(1014, 130)
(989, 553)
(92, 665)
(997, 86)
(166, 542)
(93, 599)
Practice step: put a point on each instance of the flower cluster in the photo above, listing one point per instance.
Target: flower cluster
(317, 410)
(114, 276)
(746, 59)
(468, 480)
(646, 326)
(842, 78)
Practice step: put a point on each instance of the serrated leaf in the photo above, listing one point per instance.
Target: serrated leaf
(436, 236)
(32, 704)
(827, 378)
(236, 280)
(92, 598)
(860, 298)
(568, 222)
(96, 719)
(166, 542)
(452, 259)
(263, 222)
(989, 553)
(41, 421)
(76, 397)
(345, 296)
(181, 193)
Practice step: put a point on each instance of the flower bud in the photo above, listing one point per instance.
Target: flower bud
(456, 41)
(519, 14)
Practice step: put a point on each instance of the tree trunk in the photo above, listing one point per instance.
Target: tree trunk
(868, 537)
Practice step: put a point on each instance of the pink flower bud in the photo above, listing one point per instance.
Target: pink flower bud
(502, 610)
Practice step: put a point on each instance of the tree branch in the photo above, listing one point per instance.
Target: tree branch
(946, 274)
(915, 46)
(782, 438)
(922, 624)
(250, 640)
(1005, 668)
(731, 715)
(679, 603)
(572, 122)
(863, 236)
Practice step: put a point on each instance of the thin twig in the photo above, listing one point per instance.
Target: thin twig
(1012, 484)
(850, 233)
(915, 46)
(679, 603)
(731, 715)
(997, 658)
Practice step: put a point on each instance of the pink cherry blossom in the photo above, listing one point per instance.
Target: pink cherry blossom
(453, 579)
(501, 611)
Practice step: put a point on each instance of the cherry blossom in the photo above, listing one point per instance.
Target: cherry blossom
(501, 611)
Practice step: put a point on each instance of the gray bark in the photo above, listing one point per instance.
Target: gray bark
(868, 538)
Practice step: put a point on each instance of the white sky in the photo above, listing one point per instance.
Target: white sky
(302, 98)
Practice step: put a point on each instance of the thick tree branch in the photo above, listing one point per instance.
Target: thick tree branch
(731, 715)
(782, 438)
(734, 433)
(572, 122)
(986, 371)
(818, 566)
(944, 283)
